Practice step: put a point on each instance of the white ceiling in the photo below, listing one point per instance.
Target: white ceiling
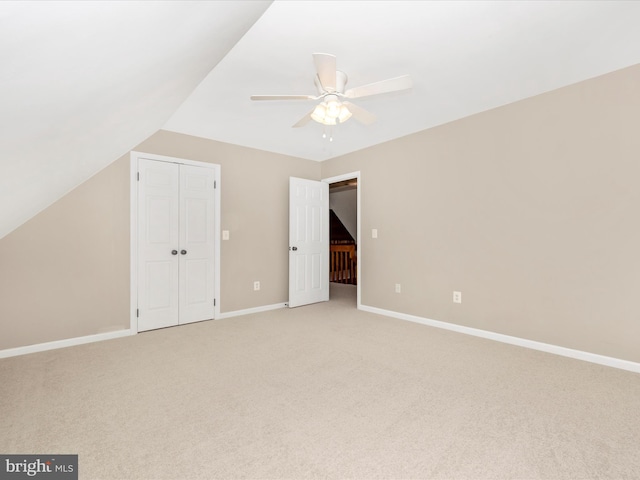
(82, 83)
(464, 57)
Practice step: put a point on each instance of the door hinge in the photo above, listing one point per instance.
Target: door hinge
(215, 184)
(138, 176)
(214, 302)
(137, 312)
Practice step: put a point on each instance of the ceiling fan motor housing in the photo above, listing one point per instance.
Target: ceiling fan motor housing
(341, 82)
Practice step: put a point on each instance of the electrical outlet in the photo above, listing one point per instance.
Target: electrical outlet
(256, 286)
(398, 288)
(457, 297)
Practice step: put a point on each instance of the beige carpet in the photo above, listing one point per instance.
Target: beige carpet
(323, 391)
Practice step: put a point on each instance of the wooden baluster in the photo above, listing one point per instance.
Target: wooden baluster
(343, 264)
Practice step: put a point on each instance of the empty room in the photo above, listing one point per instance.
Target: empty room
(320, 239)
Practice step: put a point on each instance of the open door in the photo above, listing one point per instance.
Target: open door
(308, 242)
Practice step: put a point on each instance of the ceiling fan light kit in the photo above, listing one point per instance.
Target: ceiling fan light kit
(319, 114)
(331, 111)
(331, 84)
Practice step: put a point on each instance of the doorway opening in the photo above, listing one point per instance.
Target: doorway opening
(345, 255)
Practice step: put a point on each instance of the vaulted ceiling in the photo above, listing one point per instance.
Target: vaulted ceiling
(82, 83)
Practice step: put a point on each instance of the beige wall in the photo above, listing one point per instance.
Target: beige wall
(531, 210)
(65, 273)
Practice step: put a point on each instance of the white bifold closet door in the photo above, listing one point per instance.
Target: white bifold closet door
(175, 244)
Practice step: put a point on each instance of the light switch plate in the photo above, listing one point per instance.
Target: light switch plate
(225, 234)
(374, 233)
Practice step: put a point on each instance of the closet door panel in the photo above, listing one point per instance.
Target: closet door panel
(196, 243)
(158, 238)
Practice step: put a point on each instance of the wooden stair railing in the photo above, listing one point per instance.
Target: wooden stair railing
(343, 264)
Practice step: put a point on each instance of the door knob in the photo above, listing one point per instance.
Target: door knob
(183, 252)
(294, 248)
(174, 252)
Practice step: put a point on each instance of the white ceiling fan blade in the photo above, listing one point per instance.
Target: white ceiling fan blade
(384, 86)
(304, 120)
(360, 114)
(283, 97)
(326, 68)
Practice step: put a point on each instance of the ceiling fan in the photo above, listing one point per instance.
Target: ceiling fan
(334, 107)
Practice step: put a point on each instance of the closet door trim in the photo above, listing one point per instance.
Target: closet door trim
(134, 157)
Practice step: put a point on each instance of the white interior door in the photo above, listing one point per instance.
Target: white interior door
(158, 243)
(308, 242)
(196, 243)
(175, 244)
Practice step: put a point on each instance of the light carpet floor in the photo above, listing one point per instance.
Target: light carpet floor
(322, 391)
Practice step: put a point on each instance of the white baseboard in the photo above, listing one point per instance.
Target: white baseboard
(248, 311)
(499, 337)
(521, 342)
(68, 342)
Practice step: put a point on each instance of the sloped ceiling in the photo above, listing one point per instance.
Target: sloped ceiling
(82, 83)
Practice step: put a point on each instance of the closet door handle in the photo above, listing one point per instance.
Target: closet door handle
(183, 252)
(174, 252)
